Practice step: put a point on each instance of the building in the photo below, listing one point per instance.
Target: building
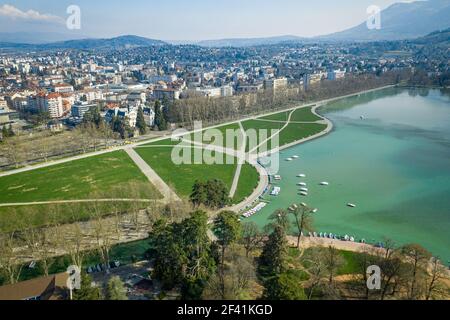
(335, 74)
(46, 288)
(168, 93)
(51, 103)
(275, 84)
(226, 91)
(128, 114)
(250, 88)
(63, 88)
(79, 109)
(149, 116)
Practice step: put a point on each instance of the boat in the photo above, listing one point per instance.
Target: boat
(351, 205)
(276, 191)
(324, 183)
(315, 210)
(301, 175)
(289, 159)
(304, 189)
(277, 177)
(302, 184)
(303, 204)
(295, 157)
(305, 194)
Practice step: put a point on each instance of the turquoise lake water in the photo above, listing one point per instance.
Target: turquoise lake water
(394, 165)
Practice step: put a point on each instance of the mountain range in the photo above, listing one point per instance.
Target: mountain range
(408, 20)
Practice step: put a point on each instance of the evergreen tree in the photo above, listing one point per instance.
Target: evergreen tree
(286, 286)
(272, 259)
(158, 115)
(116, 290)
(10, 131)
(87, 291)
(228, 229)
(140, 121)
(5, 133)
(199, 194)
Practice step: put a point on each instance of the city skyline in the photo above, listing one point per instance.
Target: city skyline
(193, 21)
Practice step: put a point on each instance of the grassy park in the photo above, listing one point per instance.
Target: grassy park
(182, 177)
(79, 179)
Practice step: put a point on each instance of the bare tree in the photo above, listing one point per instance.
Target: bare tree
(418, 258)
(9, 257)
(333, 261)
(252, 237)
(303, 220)
(437, 272)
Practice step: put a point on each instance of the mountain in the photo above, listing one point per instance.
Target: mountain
(248, 42)
(122, 42)
(401, 21)
(437, 38)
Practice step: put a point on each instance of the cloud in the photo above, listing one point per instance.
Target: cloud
(12, 12)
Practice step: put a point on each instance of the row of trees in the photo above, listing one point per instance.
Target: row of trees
(216, 110)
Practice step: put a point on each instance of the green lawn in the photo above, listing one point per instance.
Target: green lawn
(281, 116)
(103, 175)
(182, 177)
(248, 182)
(304, 114)
(298, 131)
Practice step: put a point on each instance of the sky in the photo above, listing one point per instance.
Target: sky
(188, 19)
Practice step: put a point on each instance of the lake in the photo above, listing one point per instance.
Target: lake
(394, 165)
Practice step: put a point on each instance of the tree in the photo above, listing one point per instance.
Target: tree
(218, 195)
(418, 258)
(115, 289)
(236, 280)
(252, 238)
(280, 218)
(212, 193)
(140, 121)
(199, 194)
(160, 123)
(333, 261)
(285, 286)
(272, 261)
(303, 220)
(9, 260)
(436, 274)
(228, 229)
(5, 133)
(87, 291)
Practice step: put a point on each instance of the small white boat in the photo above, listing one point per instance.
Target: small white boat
(277, 177)
(304, 189)
(295, 157)
(301, 175)
(305, 194)
(324, 183)
(302, 184)
(315, 210)
(351, 205)
(289, 159)
(362, 117)
(303, 204)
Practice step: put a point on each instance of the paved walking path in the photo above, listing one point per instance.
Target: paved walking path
(153, 177)
(20, 204)
(240, 160)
